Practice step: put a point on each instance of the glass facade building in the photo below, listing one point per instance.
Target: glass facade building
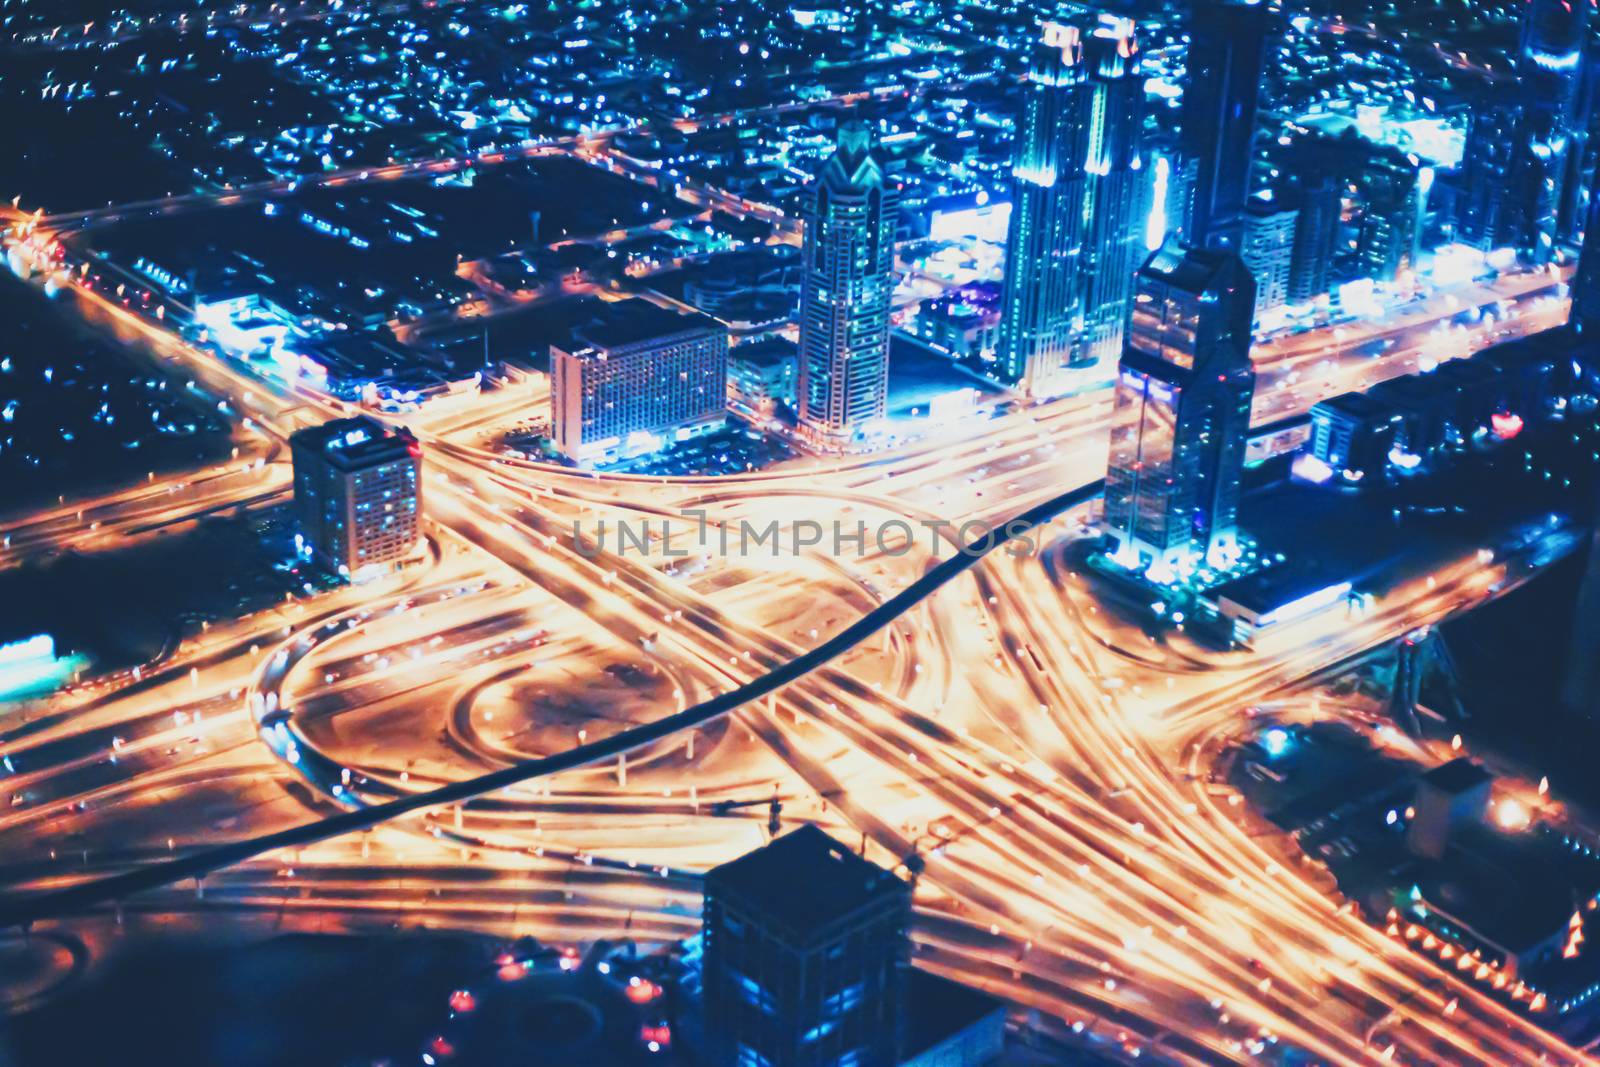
(1585, 316)
(1520, 138)
(1181, 414)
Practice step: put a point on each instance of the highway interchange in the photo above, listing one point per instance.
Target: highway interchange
(1038, 760)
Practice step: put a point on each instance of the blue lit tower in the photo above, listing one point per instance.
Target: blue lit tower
(1584, 152)
(805, 957)
(1182, 412)
(1227, 48)
(846, 293)
(1116, 190)
(1042, 303)
(1078, 206)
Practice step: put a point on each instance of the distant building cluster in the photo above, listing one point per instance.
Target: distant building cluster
(1419, 422)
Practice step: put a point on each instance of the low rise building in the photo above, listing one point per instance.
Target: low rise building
(761, 376)
(357, 494)
(635, 378)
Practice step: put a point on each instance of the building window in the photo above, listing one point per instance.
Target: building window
(749, 1057)
(847, 999)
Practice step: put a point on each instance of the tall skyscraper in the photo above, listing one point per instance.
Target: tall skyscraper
(1117, 190)
(1393, 193)
(1583, 153)
(804, 965)
(846, 293)
(1550, 70)
(1315, 231)
(1046, 230)
(1485, 217)
(1182, 412)
(1217, 126)
(1080, 196)
(1516, 162)
(357, 493)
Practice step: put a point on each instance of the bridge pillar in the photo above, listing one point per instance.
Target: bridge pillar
(1407, 685)
(1419, 656)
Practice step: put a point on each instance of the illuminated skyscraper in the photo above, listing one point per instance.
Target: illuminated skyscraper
(1394, 197)
(846, 293)
(1227, 47)
(634, 378)
(1116, 193)
(1315, 232)
(1080, 197)
(357, 493)
(1583, 154)
(1046, 234)
(1550, 70)
(1182, 411)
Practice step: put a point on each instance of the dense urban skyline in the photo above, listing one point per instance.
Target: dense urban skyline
(858, 536)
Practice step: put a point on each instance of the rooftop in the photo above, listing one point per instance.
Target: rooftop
(1357, 405)
(352, 443)
(806, 880)
(1457, 776)
(1193, 270)
(1515, 889)
(1275, 587)
(767, 352)
(630, 322)
(941, 1009)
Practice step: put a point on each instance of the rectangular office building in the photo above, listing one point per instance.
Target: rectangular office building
(635, 378)
(357, 494)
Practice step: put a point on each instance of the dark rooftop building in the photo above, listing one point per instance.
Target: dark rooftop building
(804, 957)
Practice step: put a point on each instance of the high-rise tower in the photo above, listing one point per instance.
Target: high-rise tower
(1550, 70)
(1227, 47)
(1046, 234)
(357, 494)
(1518, 142)
(1117, 190)
(846, 293)
(1080, 195)
(1182, 411)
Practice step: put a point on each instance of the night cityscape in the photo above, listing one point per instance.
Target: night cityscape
(888, 533)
